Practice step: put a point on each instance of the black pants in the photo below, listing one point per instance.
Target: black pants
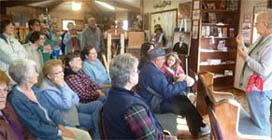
(181, 105)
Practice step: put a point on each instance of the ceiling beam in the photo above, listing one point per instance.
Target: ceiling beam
(126, 6)
(11, 3)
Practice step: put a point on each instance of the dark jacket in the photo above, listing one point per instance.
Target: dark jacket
(151, 77)
(114, 109)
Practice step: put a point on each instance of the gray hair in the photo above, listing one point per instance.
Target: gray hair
(121, 67)
(21, 69)
(266, 16)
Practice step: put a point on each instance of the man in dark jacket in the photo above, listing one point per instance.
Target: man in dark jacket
(165, 97)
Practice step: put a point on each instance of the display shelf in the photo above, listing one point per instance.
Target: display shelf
(215, 48)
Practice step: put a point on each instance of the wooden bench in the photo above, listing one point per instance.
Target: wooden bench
(227, 118)
(206, 80)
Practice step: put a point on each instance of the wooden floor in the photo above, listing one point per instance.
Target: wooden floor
(183, 132)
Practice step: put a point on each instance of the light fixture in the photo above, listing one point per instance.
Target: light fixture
(105, 5)
(76, 6)
(162, 4)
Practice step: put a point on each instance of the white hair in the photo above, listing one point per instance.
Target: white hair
(121, 67)
(21, 69)
(266, 16)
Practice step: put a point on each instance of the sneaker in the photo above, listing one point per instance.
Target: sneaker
(205, 130)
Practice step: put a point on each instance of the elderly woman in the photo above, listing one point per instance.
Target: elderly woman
(66, 101)
(33, 111)
(8, 129)
(79, 82)
(94, 68)
(256, 76)
(131, 118)
(34, 53)
(10, 49)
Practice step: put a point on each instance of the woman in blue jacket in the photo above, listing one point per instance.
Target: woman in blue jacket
(42, 122)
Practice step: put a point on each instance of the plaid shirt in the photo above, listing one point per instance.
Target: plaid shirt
(83, 86)
(141, 125)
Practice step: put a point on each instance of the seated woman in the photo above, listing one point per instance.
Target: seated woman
(66, 101)
(33, 111)
(172, 68)
(79, 82)
(8, 128)
(132, 117)
(95, 69)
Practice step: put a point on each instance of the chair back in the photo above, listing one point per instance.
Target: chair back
(101, 125)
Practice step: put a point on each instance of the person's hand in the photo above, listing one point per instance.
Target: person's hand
(240, 39)
(47, 49)
(66, 133)
(100, 93)
(189, 80)
(59, 81)
(242, 52)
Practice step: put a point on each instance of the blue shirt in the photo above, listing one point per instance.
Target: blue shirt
(63, 101)
(96, 71)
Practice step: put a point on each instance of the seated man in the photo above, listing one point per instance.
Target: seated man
(125, 114)
(165, 97)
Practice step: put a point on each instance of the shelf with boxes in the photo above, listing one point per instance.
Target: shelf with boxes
(216, 43)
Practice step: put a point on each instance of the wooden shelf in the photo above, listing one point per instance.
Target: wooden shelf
(217, 24)
(221, 76)
(219, 10)
(217, 37)
(214, 22)
(214, 51)
(201, 65)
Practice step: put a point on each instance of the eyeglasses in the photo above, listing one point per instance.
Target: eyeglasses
(57, 73)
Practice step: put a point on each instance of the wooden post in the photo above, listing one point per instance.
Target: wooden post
(109, 48)
(122, 44)
(105, 62)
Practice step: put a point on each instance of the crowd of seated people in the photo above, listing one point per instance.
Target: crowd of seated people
(34, 111)
(47, 107)
(66, 102)
(55, 100)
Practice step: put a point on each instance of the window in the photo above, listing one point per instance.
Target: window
(65, 23)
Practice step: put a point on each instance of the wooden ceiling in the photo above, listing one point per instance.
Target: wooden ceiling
(130, 5)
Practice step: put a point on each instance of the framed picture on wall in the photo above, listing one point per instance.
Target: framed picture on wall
(167, 19)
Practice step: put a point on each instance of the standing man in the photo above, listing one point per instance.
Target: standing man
(164, 97)
(256, 76)
(92, 36)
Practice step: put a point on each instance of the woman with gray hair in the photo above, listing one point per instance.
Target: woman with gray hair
(25, 100)
(256, 76)
(127, 116)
